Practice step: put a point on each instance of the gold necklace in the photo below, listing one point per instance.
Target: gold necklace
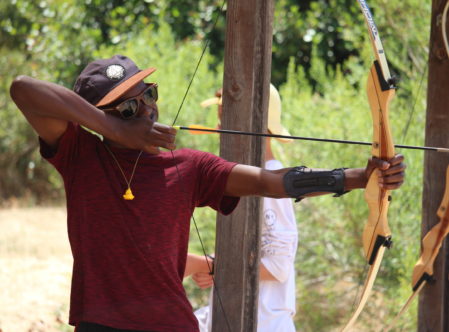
(128, 195)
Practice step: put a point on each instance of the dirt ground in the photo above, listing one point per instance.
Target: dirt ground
(35, 270)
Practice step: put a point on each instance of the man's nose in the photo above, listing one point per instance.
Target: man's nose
(149, 111)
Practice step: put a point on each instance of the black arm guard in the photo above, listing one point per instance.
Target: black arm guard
(300, 181)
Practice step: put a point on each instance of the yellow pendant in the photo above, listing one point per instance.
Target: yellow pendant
(128, 195)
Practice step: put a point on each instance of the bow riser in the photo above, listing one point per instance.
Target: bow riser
(376, 232)
(380, 94)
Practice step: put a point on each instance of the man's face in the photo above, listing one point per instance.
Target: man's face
(143, 109)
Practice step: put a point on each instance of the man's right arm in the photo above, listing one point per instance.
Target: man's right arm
(48, 107)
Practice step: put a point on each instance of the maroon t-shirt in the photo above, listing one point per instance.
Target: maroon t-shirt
(130, 256)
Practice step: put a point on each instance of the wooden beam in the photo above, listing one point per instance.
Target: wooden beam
(246, 80)
(433, 312)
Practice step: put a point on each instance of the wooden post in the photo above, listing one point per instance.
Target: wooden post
(433, 312)
(245, 102)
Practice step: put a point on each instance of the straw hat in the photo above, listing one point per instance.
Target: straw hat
(274, 113)
(274, 116)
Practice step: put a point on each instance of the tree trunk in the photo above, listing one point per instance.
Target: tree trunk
(245, 105)
(433, 312)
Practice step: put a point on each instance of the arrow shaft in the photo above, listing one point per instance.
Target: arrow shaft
(339, 141)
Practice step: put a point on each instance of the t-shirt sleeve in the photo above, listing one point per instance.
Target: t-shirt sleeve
(63, 158)
(212, 178)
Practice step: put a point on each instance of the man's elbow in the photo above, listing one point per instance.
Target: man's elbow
(18, 87)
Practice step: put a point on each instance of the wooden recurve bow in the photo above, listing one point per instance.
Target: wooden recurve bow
(376, 235)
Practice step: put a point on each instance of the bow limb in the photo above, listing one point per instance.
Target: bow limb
(431, 244)
(216, 288)
(376, 234)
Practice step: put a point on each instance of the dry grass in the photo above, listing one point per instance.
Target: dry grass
(35, 270)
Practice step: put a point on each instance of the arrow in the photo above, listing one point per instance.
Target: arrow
(198, 130)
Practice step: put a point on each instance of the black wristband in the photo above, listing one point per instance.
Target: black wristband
(300, 181)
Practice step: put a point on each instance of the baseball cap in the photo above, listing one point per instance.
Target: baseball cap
(274, 113)
(105, 80)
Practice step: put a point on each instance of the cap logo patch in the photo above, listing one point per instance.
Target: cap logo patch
(115, 72)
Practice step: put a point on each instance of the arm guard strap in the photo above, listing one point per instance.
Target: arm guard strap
(300, 181)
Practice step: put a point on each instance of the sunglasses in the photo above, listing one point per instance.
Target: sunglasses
(129, 107)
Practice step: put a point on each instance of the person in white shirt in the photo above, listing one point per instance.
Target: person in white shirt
(279, 241)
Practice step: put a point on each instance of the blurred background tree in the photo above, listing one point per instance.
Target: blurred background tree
(55, 39)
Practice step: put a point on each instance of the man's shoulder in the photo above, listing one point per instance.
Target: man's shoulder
(195, 158)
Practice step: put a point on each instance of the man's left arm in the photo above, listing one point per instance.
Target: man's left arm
(247, 180)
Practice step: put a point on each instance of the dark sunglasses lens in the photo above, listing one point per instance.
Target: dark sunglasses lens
(150, 95)
(129, 108)
(128, 113)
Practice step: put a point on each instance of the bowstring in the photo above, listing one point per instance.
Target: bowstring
(358, 295)
(412, 112)
(417, 94)
(367, 267)
(216, 289)
(199, 62)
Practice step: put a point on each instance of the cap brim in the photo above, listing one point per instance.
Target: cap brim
(211, 101)
(121, 89)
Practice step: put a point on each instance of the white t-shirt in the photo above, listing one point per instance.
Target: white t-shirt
(278, 249)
